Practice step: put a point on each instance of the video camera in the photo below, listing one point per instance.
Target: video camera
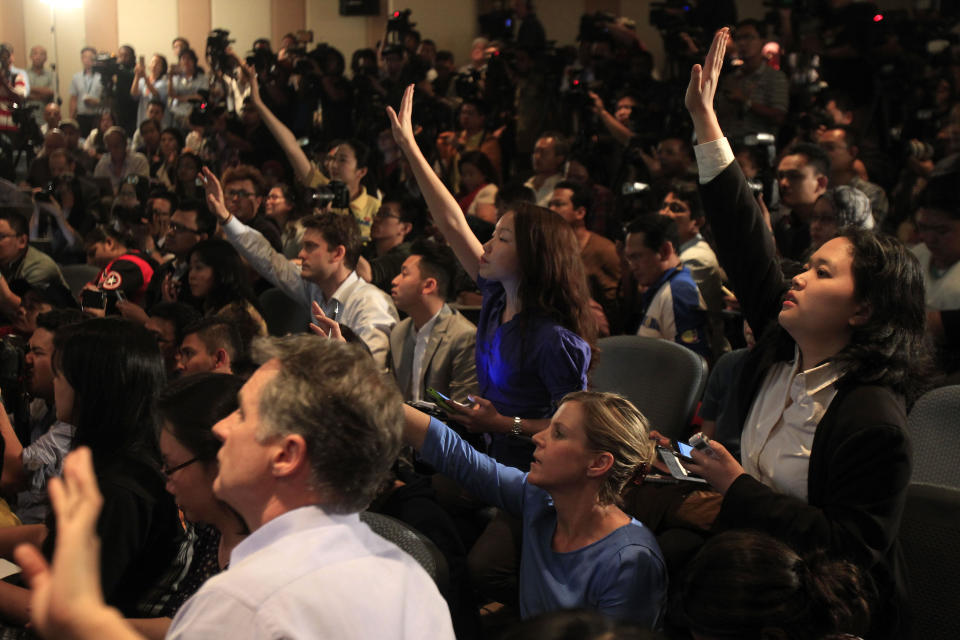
(398, 26)
(334, 194)
(217, 43)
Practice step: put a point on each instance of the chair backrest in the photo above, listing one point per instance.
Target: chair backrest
(77, 275)
(929, 531)
(283, 314)
(933, 426)
(412, 542)
(663, 379)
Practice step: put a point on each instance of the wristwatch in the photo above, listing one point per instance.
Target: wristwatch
(516, 427)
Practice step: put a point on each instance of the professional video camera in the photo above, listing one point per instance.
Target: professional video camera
(108, 67)
(217, 43)
(334, 193)
(497, 25)
(398, 26)
(671, 20)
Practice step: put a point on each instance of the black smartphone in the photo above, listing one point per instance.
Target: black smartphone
(682, 450)
(93, 299)
(444, 402)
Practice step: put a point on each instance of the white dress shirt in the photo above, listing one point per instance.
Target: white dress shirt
(419, 348)
(308, 574)
(778, 434)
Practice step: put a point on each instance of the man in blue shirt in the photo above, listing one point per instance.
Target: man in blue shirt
(672, 306)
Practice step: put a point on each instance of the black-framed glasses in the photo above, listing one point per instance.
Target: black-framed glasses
(169, 471)
(176, 227)
(239, 193)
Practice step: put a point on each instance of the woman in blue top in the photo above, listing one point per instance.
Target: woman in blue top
(535, 328)
(579, 550)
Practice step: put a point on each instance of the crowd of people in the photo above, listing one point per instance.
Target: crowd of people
(787, 210)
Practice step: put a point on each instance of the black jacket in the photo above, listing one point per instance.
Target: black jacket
(860, 461)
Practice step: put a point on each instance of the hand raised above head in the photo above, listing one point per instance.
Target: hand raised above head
(402, 124)
(703, 79)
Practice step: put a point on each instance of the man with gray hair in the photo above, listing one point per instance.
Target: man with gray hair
(316, 431)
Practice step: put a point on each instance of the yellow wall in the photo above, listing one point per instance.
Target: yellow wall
(246, 20)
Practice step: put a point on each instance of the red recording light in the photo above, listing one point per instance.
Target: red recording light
(396, 14)
(878, 17)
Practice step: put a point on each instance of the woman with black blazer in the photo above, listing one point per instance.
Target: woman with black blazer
(825, 460)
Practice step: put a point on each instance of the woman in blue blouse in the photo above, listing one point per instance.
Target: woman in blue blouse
(535, 329)
(579, 550)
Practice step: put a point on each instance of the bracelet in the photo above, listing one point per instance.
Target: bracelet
(516, 427)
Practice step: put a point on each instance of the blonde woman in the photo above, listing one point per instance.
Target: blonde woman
(579, 549)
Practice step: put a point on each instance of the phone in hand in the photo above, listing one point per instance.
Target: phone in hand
(445, 403)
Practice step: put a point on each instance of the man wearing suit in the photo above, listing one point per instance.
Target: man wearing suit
(434, 347)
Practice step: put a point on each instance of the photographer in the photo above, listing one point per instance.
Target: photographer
(12, 90)
(66, 210)
(86, 89)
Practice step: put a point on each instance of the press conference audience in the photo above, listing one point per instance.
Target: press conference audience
(296, 163)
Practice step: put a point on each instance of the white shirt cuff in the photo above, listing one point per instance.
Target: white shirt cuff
(712, 158)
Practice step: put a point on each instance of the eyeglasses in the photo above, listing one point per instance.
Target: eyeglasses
(381, 215)
(239, 193)
(169, 471)
(176, 227)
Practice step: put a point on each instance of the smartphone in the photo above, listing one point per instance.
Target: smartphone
(682, 450)
(93, 299)
(446, 403)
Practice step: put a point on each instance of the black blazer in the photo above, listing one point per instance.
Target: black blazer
(860, 461)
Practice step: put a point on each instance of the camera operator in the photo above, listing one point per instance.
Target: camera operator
(527, 30)
(86, 89)
(753, 98)
(123, 103)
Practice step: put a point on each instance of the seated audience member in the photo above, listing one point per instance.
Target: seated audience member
(388, 246)
(243, 194)
(158, 209)
(171, 144)
(70, 213)
(186, 184)
(121, 269)
(35, 300)
(600, 259)
(167, 322)
(807, 597)
(474, 136)
(300, 505)
(670, 161)
(938, 223)
(682, 203)
(601, 197)
(549, 155)
(190, 223)
(95, 144)
(281, 207)
(837, 208)
(27, 468)
(672, 307)
(433, 347)
(843, 342)
(842, 146)
(218, 282)
(349, 163)
(106, 373)
(19, 260)
(38, 175)
(187, 410)
(119, 162)
(210, 345)
(478, 186)
(802, 177)
(149, 144)
(71, 135)
(327, 273)
(578, 548)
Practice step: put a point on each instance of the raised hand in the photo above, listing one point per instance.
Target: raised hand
(402, 124)
(703, 87)
(214, 194)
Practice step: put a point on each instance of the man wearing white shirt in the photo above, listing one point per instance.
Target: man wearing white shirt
(327, 273)
(85, 91)
(435, 346)
(310, 568)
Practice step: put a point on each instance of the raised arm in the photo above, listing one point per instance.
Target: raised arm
(284, 137)
(447, 214)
